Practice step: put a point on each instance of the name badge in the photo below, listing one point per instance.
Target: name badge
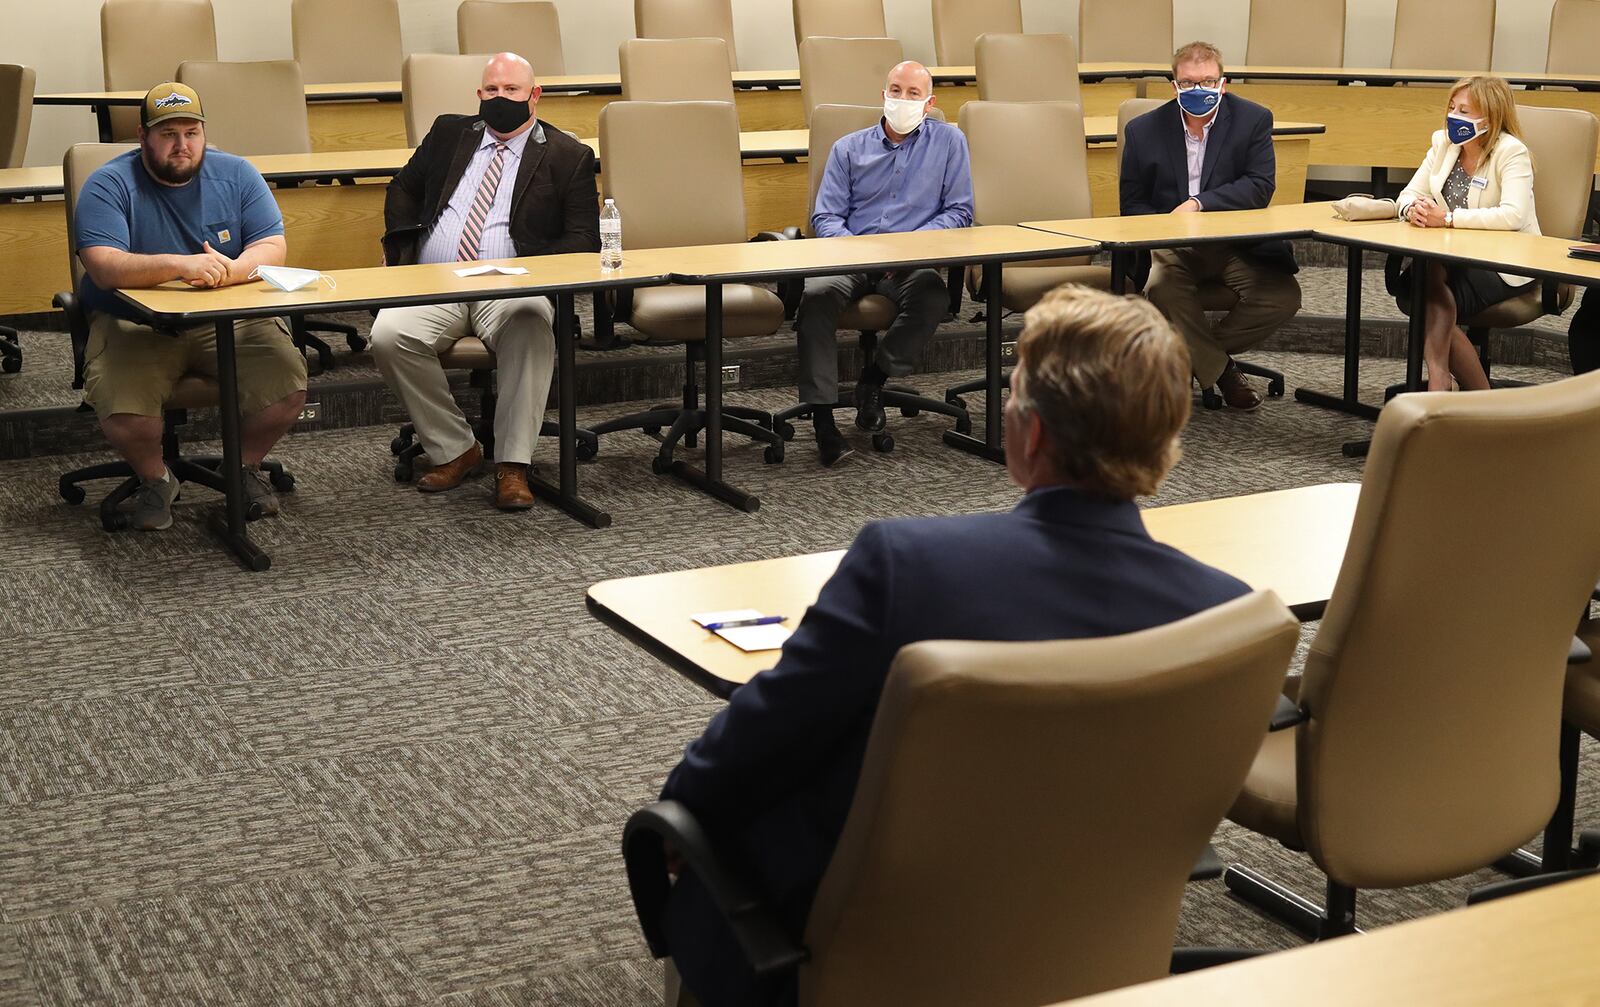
(225, 235)
(1480, 183)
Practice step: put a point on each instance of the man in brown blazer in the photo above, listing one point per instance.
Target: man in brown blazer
(496, 185)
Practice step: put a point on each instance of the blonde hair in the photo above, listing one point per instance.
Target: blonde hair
(1108, 378)
(1492, 98)
(1197, 52)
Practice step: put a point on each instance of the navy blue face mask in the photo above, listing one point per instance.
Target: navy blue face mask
(1460, 129)
(1200, 101)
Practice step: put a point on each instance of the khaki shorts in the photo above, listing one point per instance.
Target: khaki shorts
(131, 368)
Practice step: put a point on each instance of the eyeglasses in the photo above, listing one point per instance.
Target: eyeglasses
(1209, 83)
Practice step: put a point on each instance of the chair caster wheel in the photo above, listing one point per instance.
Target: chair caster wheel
(652, 432)
(660, 466)
(114, 522)
(963, 425)
(356, 344)
(402, 473)
(399, 444)
(883, 443)
(1210, 399)
(784, 429)
(72, 493)
(254, 512)
(1275, 389)
(955, 400)
(588, 447)
(910, 412)
(11, 365)
(773, 455)
(283, 482)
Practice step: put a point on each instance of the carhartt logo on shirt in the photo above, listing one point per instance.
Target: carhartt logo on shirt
(224, 235)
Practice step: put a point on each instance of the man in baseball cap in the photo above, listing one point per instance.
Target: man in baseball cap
(173, 211)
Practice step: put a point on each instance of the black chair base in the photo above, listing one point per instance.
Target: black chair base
(301, 330)
(204, 470)
(1299, 914)
(10, 351)
(1210, 398)
(908, 400)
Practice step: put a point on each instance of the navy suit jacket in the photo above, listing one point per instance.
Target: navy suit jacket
(773, 776)
(1240, 170)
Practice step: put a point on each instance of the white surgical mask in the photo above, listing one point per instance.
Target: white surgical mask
(904, 115)
(287, 278)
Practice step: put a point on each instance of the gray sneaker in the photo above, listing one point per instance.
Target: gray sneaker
(150, 506)
(258, 491)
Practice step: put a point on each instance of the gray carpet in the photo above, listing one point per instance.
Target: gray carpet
(394, 769)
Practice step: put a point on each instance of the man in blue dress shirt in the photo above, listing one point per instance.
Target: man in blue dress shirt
(908, 173)
(1099, 394)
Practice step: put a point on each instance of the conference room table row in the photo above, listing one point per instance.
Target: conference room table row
(1377, 117)
(338, 226)
(713, 266)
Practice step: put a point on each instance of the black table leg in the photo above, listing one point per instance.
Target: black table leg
(1350, 402)
(710, 481)
(1416, 337)
(230, 527)
(102, 121)
(1119, 271)
(565, 495)
(991, 446)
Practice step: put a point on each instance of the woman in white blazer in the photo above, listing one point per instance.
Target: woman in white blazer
(1477, 174)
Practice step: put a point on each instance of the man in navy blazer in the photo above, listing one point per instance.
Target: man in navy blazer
(1098, 396)
(1205, 151)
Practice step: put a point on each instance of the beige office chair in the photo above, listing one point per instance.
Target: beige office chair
(531, 30)
(686, 19)
(16, 117)
(1214, 297)
(193, 391)
(838, 19)
(1074, 782)
(674, 170)
(869, 315)
(1125, 31)
(1574, 27)
(1051, 183)
(1432, 695)
(346, 41)
(136, 57)
(1562, 142)
(435, 84)
(958, 23)
(845, 71)
(1296, 33)
(260, 108)
(1443, 35)
(675, 69)
(1027, 68)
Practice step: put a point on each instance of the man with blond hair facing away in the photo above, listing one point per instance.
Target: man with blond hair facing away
(1204, 151)
(496, 185)
(1099, 394)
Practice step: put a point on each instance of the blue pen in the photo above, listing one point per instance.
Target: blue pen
(766, 620)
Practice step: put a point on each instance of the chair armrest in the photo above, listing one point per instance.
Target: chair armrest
(78, 327)
(1287, 715)
(1209, 865)
(766, 947)
(787, 234)
(1195, 959)
(1516, 886)
(1578, 652)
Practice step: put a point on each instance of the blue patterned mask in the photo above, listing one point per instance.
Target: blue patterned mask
(1200, 101)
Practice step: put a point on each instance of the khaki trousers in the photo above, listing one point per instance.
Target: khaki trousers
(407, 342)
(1268, 297)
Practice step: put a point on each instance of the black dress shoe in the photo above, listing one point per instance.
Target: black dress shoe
(832, 448)
(1236, 391)
(869, 407)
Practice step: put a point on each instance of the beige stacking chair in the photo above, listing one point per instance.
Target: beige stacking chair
(845, 71)
(347, 41)
(838, 19)
(958, 23)
(1125, 31)
(136, 58)
(1027, 68)
(686, 19)
(675, 69)
(532, 30)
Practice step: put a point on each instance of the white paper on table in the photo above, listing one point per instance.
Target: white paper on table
(746, 638)
(492, 270)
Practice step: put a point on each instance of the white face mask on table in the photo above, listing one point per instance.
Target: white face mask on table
(288, 279)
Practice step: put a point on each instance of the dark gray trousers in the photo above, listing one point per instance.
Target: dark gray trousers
(921, 296)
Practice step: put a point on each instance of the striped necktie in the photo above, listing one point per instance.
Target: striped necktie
(472, 233)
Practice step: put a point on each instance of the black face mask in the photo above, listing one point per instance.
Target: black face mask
(504, 115)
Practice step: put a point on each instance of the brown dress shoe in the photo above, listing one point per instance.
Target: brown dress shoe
(511, 487)
(449, 475)
(1236, 391)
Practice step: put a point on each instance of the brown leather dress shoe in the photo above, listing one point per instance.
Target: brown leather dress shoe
(511, 487)
(1236, 391)
(449, 475)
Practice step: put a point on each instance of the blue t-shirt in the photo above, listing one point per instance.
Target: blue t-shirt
(121, 206)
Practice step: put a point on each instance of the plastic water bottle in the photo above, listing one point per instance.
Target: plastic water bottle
(610, 236)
